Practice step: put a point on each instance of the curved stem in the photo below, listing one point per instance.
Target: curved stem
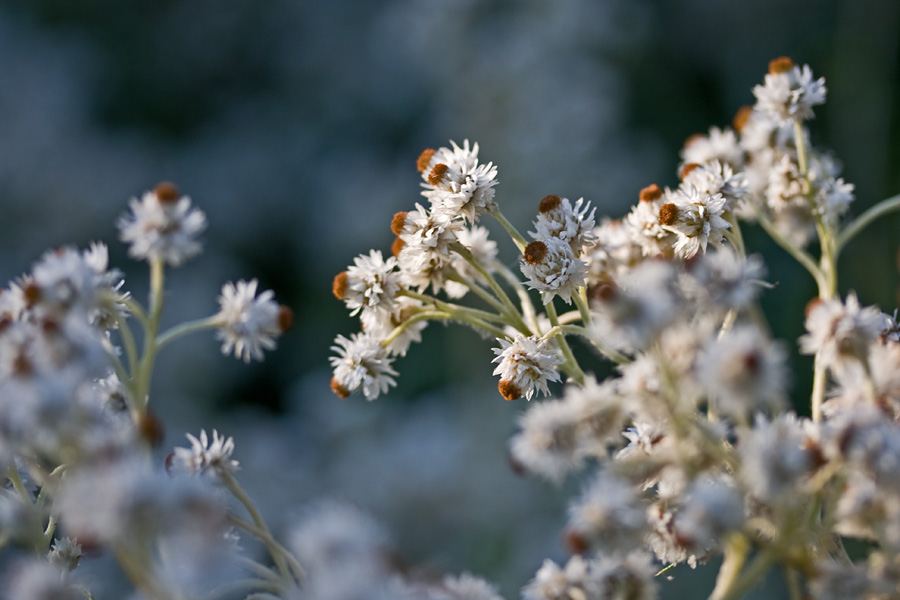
(581, 301)
(525, 302)
(186, 328)
(517, 237)
(279, 554)
(571, 365)
(865, 219)
(510, 309)
(800, 255)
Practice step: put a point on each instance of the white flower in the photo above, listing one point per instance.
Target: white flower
(204, 457)
(718, 144)
(713, 508)
(548, 442)
(613, 253)
(66, 280)
(553, 583)
(249, 323)
(525, 364)
(163, 226)
(776, 457)
(370, 285)
(455, 184)
(841, 332)
(789, 92)
(466, 587)
(361, 365)
(552, 268)
(713, 178)
(425, 254)
(608, 515)
(557, 218)
(743, 371)
(643, 222)
(722, 279)
(696, 218)
(66, 553)
(384, 325)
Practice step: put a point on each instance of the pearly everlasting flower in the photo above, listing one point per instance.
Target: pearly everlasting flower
(362, 365)
(696, 218)
(608, 515)
(557, 218)
(525, 364)
(644, 225)
(466, 587)
(724, 280)
(163, 226)
(789, 92)
(607, 577)
(712, 508)
(719, 144)
(613, 253)
(66, 553)
(553, 269)
(383, 325)
(743, 372)
(204, 457)
(249, 323)
(553, 583)
(425, 254)
(370, 285)
(39, 580)
(715, 178)
(455, 184)
(548, 442)
(841, 332)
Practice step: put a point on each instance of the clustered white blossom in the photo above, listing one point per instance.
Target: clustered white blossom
(693, 448)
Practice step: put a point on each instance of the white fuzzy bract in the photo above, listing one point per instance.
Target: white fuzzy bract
(455, 184)
(362, 365)
(790, 95)
(525, 364)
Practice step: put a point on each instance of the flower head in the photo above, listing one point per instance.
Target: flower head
(696, 218)
(361, 365)
(163, 226)
(204, 457)
(557, 218)
(249, 323)
(789, 92)
(525, 364)
(455, 184)
(370, 285)
(552, 268)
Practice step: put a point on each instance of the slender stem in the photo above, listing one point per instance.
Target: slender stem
(512, 231)
(511, 310)
(136, 309)
(451, 308)
(613, 355)
(818, 390)
(127, 339)
(279, 554)
(525, 302)
(477, 289)
(265, 536)
(801, 147)
(736, 550)
(865, 219)
(571, 365)
(142, 377)
(186, 328)
(799, 254)
(751, 576)
(138, 573)
(793, 584)
(581, 301)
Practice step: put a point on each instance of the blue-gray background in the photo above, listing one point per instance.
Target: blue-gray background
(296, 125)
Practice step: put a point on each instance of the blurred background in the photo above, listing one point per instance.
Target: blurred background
(296, 126)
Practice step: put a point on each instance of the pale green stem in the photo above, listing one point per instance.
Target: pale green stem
(51, 529)
(613, 355)
(12, 473)
(136, 310)
(736, 550)
(581, 301)
(127, 340)
(666, 569)
(265, 536)
(524, 299)
(570, 365)
(512, 231)
(477, 289)
(801, 147)
(567, 318)
(183, 329)
(280, 555)
(510, 309)
(441, 315)
(137, 572)
(246, 585)
(145, 369)
(751, 576)
(799, 254)
(455, 309)
(865, 219)
(793, 584)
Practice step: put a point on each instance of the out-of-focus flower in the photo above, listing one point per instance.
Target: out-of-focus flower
(249, 323)
(789, 92)
(163, 226)
(204, 457)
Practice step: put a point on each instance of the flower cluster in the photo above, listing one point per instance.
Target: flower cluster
(691, 445)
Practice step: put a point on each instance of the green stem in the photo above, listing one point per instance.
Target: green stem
(736, 550)
(581, 301)
(863, 220)
(280, 555)
(512, 231)
(510, 309)
(571, 365)
(525, 302)
(145, 368)
(183, 329)
(613, 355)
(799, 254)
(127, 339)
(801, 147)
